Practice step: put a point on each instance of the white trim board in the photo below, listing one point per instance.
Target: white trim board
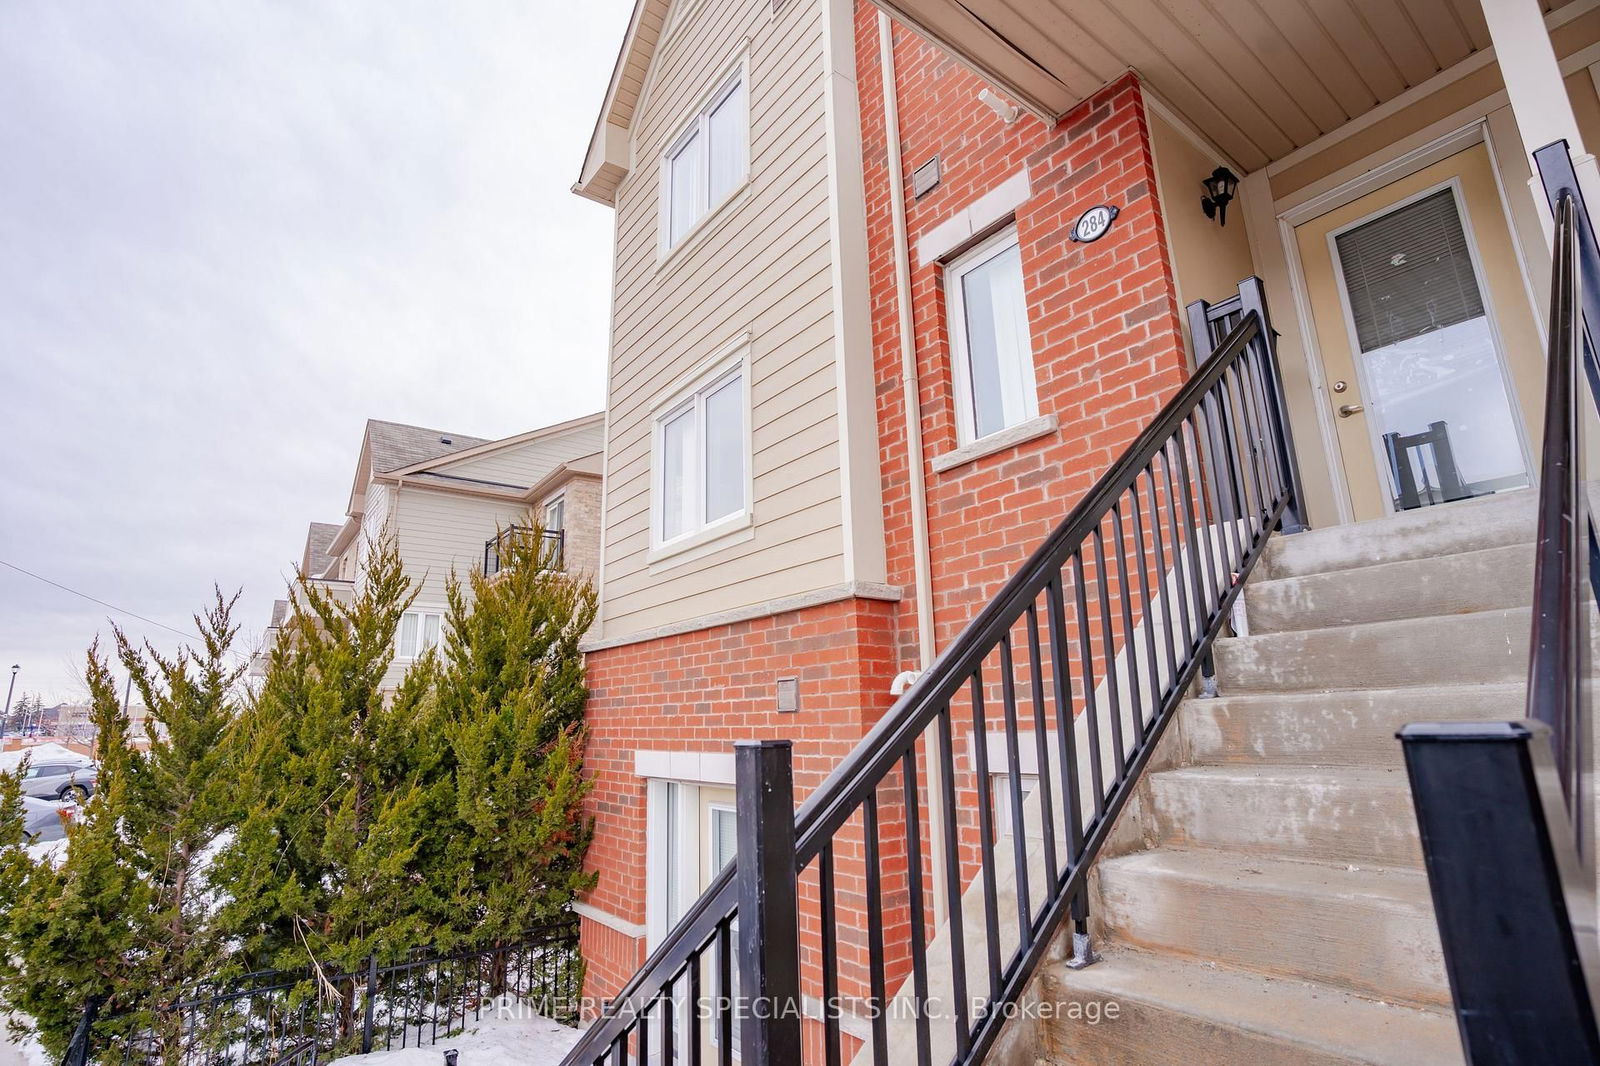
(864, 590)
(628, 929)
(695, 767)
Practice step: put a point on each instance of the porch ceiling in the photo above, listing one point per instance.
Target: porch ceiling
(1260, 77)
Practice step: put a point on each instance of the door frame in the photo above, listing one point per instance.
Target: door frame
(1464, 213)
(1384, 171)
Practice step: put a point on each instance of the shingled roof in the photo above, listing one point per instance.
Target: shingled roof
(394, 445)
(316, 559)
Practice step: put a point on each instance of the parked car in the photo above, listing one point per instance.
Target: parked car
(43, 821)
(60, 781)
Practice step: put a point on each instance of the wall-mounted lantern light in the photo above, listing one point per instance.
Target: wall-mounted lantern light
(1219, 187)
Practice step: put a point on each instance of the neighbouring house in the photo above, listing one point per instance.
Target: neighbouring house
(967, 363)
(446, 499)
(74, 723)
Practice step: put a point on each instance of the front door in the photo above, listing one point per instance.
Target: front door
(1429, 349)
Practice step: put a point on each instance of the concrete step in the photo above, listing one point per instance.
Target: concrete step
(1364, 929)
(1185, 1012)
(1354, 815)
(1350, 727)
(1482, 580)
(1485, 647)
(1428, 532)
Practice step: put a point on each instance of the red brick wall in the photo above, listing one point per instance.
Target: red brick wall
(703, 691)
(1108, 352)
(1104, 318)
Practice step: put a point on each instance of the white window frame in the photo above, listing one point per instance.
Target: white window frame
(673, 814)
(421, 613)
(699, 123)
(699, 531)
(712, 810)
(558, 500)
(960, 357)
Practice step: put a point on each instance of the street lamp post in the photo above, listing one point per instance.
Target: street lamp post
(9, 690)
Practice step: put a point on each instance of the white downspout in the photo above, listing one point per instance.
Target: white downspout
(922, 559)
(922, 562)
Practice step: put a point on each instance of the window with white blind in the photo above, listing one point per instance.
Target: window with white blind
(707, 161)
(991, 349)
(555, 515)
(418, 632)
(1432, 377)
(1409, 272)
(700, 460)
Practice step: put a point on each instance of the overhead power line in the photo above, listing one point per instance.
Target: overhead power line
(95, 599)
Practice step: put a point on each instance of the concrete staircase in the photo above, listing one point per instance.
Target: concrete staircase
(1264, 901)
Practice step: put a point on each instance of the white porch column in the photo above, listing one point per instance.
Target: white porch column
(1538, 95)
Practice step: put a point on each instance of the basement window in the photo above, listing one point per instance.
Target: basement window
(990, 345)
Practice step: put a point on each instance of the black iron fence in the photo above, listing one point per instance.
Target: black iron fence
(910, 901)
(309, 1016)
(552, 549)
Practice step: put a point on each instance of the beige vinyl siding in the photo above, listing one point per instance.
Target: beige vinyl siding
(439, 531)
(375, 521)
(758, 268)
(527, 463)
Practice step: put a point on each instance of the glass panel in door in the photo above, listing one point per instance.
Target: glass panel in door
(1432, 375)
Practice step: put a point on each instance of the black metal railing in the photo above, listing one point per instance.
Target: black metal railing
(310, 1016)
(1564, 574)
(1505, 808)
(552, 550)
(922, 890)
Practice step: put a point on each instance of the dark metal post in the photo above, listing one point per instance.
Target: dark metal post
(1554, 163)
(78, 1047)
(1253, 297)
(9, 690)
(1507, 886)
(372, 999)
(769, 932)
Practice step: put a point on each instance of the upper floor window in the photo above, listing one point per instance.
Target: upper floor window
(700, 461)
(555, 515)
(418, 632)
(707, 161)
(989, 341)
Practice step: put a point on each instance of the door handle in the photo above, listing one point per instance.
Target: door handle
(1348, 409)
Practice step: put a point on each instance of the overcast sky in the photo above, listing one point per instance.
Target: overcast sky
(230, 233)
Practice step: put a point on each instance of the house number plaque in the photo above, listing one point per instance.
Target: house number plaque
(1093, 223)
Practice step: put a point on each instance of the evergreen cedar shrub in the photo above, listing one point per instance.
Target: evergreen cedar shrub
(129, 907)
(314, 820)
(511, 694)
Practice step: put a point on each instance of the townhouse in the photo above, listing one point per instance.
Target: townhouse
(896, 285)
(445, 499)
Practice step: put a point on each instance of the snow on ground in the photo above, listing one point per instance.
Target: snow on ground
(52, 851)
(48, 752)
(23, 1051)
(508, 1034)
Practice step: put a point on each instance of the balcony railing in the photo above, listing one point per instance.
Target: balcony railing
(496, 554)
